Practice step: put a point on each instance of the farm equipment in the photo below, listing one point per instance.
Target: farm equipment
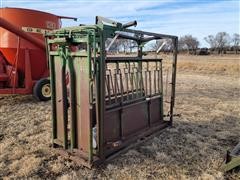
(202, 51)
(23, 62)
(101, 103)
(232, 159)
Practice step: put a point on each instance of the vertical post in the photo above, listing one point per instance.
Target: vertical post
(97, 89)
(64, 52)
(161, 89)
(53, 95)
(72, 103)
(174, 71)
(139, 68)
(100, 99)
(90, 119)
(146, 79)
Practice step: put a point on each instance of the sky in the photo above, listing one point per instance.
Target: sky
(199, 18)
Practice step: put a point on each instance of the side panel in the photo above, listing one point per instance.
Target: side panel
(155, 110)
(112, 126)
(134, 118)
(59, 99)
(81, 66)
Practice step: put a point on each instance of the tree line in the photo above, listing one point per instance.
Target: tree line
(219, 43)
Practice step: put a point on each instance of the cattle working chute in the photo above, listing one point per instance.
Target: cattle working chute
(101, 103)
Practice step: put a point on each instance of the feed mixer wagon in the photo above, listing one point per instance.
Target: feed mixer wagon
(105, 102)
(23, 62)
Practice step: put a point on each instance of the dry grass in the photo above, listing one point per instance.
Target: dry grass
(210, 65)
(194, 148)
(220, 65)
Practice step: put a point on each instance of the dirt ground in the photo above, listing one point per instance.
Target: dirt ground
(208, 99)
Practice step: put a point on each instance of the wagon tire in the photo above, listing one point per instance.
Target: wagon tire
(42, 90)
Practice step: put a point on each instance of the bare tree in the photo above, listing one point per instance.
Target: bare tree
(219, 42)
(132, 44)
(124, 44)
(190, 43)
(222, 40)
(181, 45)
(121, 45)
(211, 41)
(236, 42)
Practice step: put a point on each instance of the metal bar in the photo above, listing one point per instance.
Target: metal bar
(162, 108)
(111, 43)
(102, 20)
(111, 79)
(53, 96)
(132, 84)
(124, 36)
(90, 119)
(146, 77)
(126, 81)
(101, 96)
(156, 35)
(129, 24)
(72, 104)
(154, 81)
(130, 59)
(150, 83)
(137, 82)
(166, 85)
(159, 78)
(174, 71)
(121, 86)
(160, 47)
(146, 83)
(115, 87)
(96, 83)
(150, 38)
(64, 95)
(66, 17)
(108, 89)
(117, 75)
(141, 78)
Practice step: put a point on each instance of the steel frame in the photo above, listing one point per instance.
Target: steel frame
(78, 62)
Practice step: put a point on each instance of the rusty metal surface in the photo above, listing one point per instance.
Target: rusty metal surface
(59, 101)
(134, 139)
(134, 118)
(83, 108)
(155, 110)
(113, 127)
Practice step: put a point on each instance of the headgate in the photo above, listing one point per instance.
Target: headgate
(102, 103)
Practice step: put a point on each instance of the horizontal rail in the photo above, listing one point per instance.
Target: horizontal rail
(132, 59)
